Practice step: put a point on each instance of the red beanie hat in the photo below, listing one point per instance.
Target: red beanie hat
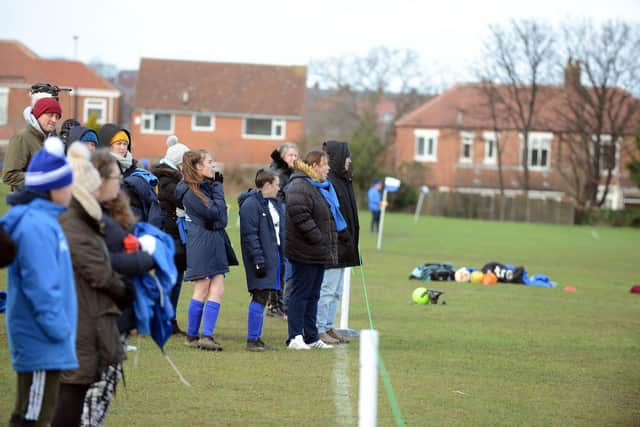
(46, 105)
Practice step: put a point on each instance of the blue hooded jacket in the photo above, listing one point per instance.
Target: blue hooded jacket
(152, 305)
(42, 308)
(258, 239)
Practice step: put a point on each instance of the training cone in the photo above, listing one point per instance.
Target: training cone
(570, 288)
(420, 296)
(477, 276)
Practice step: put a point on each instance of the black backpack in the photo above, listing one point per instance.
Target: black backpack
(440, 272)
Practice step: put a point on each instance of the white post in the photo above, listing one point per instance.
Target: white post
(419, 207)
(382, 210)
(368, 397)
(346, 292)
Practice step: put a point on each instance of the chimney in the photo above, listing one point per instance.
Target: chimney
(572, 74)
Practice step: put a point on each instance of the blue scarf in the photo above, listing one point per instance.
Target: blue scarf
(329, 194)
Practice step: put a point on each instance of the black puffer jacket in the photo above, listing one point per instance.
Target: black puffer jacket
(311, 236)
(348, 255)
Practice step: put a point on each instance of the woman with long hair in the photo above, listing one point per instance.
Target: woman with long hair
(209, 251)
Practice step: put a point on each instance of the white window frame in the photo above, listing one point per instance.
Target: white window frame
(466, 138)
(98, 104)
(430, 137)
(275, 122)
(538, 141)
(606, 140)
(212, 122)
(489, 138)
(151, 116)
(4, 106)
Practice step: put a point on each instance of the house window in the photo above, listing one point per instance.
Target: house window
(95, 107)
(205, 122)
(4, 105)
(157, 122)
(466, 150)
(490, 149)
(426, 145)
(263, 128)
(608, 153)
(539, 148)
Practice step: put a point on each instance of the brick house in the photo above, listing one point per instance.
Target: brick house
(20, 68)
(240, 112)
(453, 137)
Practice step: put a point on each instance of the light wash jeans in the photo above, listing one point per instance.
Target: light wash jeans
(330, 293)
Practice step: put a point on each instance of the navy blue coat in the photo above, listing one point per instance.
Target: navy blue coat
(209, 250)
(258, 239)
(140, 186)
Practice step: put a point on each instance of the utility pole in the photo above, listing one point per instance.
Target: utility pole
(75, 48)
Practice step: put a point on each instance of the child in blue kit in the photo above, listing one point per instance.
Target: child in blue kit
(261, 238)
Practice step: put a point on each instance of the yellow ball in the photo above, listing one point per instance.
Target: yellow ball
(477, 276)
(420, 296)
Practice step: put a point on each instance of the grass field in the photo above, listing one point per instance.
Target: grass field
(494, 355)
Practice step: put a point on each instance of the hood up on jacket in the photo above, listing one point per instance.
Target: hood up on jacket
(107, 131)
(77, 132)
(338, 152)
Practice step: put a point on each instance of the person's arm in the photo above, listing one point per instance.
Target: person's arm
(8, 248)
(16, 161)
(42, 280)
(300, 213)
(250, 231)
(214, 211)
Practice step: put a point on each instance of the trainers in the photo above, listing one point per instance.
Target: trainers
(297, 343)
(255, 345)
(320, 345)
(328, 339)
(337, 335)
(208, 343)
(266, 346)
(175, 329)
(191, 342)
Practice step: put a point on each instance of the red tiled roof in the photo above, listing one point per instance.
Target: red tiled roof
(20, 65)
(221, 87)
(465, 106)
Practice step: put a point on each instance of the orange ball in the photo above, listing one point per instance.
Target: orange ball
(489, 279)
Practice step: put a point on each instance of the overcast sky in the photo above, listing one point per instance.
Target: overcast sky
(447, 34)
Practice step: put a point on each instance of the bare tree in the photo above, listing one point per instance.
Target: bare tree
(521, 55)
(599, 109)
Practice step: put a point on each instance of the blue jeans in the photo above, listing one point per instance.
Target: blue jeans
(174, 295)
(330, 293)
(306, 281)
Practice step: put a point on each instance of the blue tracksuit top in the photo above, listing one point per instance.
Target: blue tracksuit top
(374, 199)
(42, 308)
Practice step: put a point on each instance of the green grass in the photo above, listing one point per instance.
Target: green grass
(494, 355)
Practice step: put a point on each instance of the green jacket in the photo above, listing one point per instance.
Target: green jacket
(20, 150)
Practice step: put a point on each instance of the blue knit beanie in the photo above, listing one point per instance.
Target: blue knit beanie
(90, 136)
(49, 169)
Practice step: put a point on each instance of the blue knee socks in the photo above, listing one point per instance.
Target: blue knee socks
(254, 320)
(194, 317)
(211, 312)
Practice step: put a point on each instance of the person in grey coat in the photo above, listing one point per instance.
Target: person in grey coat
(262, 238)
(209, 251)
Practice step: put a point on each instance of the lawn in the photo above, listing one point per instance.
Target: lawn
(494, 355)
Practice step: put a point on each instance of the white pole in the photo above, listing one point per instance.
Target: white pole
(368, 397)
(346, 292)
(419, 207)
(383, 208)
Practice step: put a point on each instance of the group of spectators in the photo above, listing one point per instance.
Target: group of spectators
(73, 244)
